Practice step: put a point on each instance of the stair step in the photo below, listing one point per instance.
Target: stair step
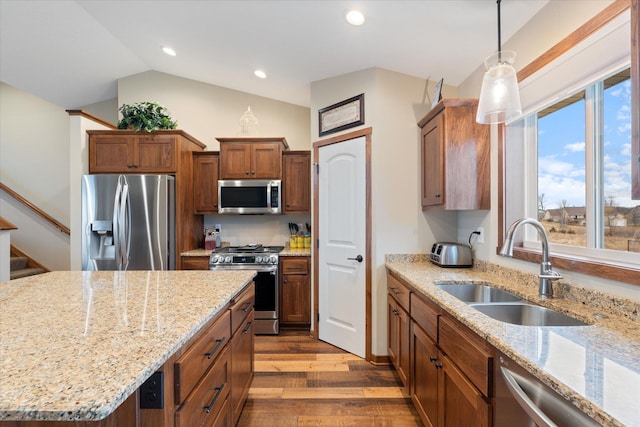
(25, 272)
(18, 263)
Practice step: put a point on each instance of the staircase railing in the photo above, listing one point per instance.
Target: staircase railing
(63, 228)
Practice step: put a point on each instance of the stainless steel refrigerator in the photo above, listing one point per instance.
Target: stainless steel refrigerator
(128, 222)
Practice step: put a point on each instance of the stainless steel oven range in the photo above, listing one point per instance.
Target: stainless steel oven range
(263, 259)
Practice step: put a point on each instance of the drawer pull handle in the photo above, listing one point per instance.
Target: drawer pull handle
(395, 312)
(433, 358)
(248, 307)
(394, 291)
(248, 328)
(215, 349)
(438, 365)
(215, 398)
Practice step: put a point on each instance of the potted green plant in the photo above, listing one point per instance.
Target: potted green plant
(147, 116)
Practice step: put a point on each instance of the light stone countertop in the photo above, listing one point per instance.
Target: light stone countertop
(74, 345)
(597, 367)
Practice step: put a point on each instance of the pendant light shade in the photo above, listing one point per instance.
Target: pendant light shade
(499, 95)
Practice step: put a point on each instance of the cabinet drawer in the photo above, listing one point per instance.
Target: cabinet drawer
(468, 351)
(194, 263)
(241, 307)
(190, 367)
(294, 265)
(399, 291)
(425, 314)
(208, 399)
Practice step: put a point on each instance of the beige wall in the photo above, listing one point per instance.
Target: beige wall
(34, 161)
(106, 110)
(206, 111)
(393, 106)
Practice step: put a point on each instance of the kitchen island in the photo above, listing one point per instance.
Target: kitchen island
(75, 345)
(596, 367)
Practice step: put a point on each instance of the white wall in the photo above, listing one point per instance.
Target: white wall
(34, 161)
(207, 111)
(105, 110)
(554, 22)
(393, 106)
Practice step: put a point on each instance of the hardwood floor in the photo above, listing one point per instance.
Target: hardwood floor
(302, 382)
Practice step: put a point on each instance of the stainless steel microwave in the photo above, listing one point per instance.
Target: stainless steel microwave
(249, 196)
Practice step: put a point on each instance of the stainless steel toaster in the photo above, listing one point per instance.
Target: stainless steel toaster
(448, 254)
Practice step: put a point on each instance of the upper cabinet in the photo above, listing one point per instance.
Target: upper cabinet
(132, 153)
(296, 166)
(251, 157)
(205, 182)
(455, 157)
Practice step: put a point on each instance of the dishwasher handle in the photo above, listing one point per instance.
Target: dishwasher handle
(536, 414)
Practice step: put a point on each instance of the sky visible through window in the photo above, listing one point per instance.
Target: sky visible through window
(561, 152)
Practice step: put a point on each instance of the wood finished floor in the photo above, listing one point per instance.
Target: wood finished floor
(302, 382)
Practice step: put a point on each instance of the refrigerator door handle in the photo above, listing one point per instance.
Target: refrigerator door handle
(125, 224)
(116, 225)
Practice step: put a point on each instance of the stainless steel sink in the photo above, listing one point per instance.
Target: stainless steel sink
(470, 293)
(527, 315)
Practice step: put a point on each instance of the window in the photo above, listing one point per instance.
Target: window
(575, 212)
(577, 147)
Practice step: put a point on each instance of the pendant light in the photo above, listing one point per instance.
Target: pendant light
(499, 96)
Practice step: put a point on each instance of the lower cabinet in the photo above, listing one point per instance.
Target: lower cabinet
(449, 366)
(207, 381)
(295, 292)
(242, 351)
(398, 339)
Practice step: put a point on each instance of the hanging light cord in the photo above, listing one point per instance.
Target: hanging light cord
(499, 35)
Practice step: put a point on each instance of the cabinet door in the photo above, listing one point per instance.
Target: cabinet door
(266, 161)
(111, 154)
(156, 154)
(295, 304)
(461, 404)
(433, 162)
(241, 366)
(399, 336)
(424, 376)
(235, 160)
(205, 183)
(297, 183)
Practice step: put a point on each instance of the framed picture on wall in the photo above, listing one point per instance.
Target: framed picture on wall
(343, 115)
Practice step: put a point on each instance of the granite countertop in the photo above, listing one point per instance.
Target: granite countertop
(74, 345)
(597, 367)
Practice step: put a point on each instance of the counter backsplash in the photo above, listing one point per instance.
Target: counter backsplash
(608, 304)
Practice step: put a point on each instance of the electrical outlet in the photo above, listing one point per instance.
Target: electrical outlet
(217, 227)
(480, 239)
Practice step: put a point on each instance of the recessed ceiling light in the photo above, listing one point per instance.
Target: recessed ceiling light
(355, 17)
(260, 73)
(168, 51)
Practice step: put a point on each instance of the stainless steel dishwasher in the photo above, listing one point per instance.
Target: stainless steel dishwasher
(524, 401)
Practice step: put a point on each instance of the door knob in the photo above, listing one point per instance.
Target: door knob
(358, 258)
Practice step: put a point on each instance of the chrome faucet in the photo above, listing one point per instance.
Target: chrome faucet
(547, 275)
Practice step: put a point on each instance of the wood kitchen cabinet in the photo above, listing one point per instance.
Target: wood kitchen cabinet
(296, 166)
(194, 262)
(251, 157)
(160, 152)
(455, 157)
(398, 331)
(449, 365)
(242, 342)
(205, 182)
(295, 292)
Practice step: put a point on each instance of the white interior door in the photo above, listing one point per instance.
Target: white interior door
(342, 246)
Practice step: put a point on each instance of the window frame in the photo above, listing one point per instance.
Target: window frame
(581, 264)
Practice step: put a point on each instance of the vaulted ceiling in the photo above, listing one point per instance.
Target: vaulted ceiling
(72, 53)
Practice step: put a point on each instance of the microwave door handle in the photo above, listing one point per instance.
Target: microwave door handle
(269, 195)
